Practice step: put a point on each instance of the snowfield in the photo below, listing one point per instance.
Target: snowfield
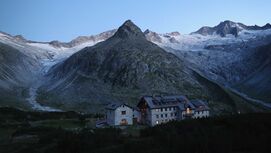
(197, 42)
(58, 54)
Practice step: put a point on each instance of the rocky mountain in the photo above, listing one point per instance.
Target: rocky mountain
(235, 62)
(83, 39)
(229, 27)
(58, 44)
(123, 68)
(50, 53)
(13, 62)
(233, 67)
(124, 64)
(153, 36)
(158, 38)
(257, 84)
(17, 73)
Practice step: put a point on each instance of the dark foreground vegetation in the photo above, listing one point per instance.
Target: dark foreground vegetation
(245, 133)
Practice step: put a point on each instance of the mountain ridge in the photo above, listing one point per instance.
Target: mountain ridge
(122, 69)
(222, 29)
(127, 63)
(229, 27)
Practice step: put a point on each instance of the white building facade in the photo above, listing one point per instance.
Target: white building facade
(119, 114)
(162, 109)
(162, 115)
(154, 110)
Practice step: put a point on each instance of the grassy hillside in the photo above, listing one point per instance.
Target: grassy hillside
(257, 84)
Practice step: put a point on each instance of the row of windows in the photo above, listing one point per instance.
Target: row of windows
(166, 115)
(163, 121)
(205, 116)
(165, 109)
(200, 112)
(124, 113)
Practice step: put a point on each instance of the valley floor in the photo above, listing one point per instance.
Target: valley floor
(69, 132)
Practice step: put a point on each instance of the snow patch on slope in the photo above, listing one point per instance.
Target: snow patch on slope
(196, 42)
(58, 54)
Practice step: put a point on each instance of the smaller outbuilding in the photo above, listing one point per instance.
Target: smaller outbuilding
(120, 114)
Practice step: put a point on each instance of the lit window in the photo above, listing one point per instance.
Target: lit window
(188, 110)
(123, 122)
(157, 122)
(123, 112)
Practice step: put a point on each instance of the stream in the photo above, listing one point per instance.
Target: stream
(35, 105)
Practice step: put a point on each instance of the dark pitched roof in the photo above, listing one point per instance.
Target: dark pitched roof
(200, 105)
(179, 101)
(114, 106)
(167, 101)
(183, 106)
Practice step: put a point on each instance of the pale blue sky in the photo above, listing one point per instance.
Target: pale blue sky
(45, 20)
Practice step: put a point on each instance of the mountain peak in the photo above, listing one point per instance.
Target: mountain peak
(267, 26)
(129, 30)
(174, 33)
(223, 28)
(229, 24)
(147, 31)
(129, 23)
(20, 38)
